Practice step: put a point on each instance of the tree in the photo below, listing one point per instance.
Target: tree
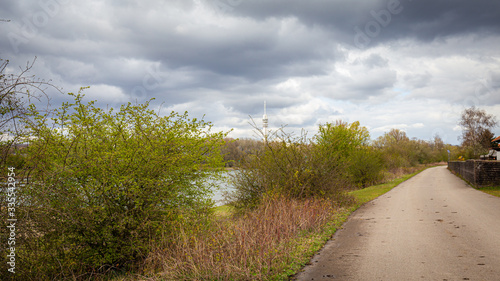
(476, 135)
(396, 149)
(16, 92)
(346, 147)
(236, 150)
(104, 184)
(343, 137)
(439, 150)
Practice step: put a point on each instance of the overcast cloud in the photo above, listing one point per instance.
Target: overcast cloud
(412, 65)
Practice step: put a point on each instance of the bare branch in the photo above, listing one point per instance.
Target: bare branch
(476, 134)
(17, 91)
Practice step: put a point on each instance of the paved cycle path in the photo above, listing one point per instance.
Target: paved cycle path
(431, 227)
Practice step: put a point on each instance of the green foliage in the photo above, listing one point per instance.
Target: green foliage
(287, 166)
(12, 154)
(342, 138)
(367, 166)
(347, 147)
(104, 184)
(493, 190)
(336, 159)
(284, 166)
(396, 149)
(399, 151)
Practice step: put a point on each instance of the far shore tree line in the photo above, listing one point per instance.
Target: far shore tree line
(395, 147)
(117, 190)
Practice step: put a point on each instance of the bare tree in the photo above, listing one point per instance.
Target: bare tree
(476, 130)
(17, 91)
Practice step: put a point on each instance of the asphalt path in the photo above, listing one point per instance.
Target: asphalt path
(431, 227)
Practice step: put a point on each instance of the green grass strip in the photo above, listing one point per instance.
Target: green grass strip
(493, 190)
(224, 210)
(367, 194)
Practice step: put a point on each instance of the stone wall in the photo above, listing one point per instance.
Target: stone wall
(477, 172)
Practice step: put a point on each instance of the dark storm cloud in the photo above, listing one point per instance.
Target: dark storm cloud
(338, 15)
(384, 20)
(100, 33)
(311, 60)
(428, 20)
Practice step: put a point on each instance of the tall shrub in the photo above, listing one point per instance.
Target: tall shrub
(294, 167)
(397, 149)
(367, 166)
(346, 146)
(104, 184)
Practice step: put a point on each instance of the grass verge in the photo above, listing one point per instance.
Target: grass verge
(223, 211)
(493, 190)
(367, 194)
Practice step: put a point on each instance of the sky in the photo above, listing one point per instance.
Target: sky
(410, 65)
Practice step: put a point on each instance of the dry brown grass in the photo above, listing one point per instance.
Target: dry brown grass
(252, 246)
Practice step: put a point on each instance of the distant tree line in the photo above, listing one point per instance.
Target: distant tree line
(237, 150)
(395, 148)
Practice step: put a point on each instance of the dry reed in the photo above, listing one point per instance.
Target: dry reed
(252, 246)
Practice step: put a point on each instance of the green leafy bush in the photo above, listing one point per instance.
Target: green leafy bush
(358, 163)
(104, 184)
(294, 167)
(282, 167)
(366, 168)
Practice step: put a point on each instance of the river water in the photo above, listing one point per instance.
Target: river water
(224, 186)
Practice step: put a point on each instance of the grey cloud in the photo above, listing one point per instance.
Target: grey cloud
(226, 61)
(430, 19)
(374, 60)
(425, 20)
(418, 80)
